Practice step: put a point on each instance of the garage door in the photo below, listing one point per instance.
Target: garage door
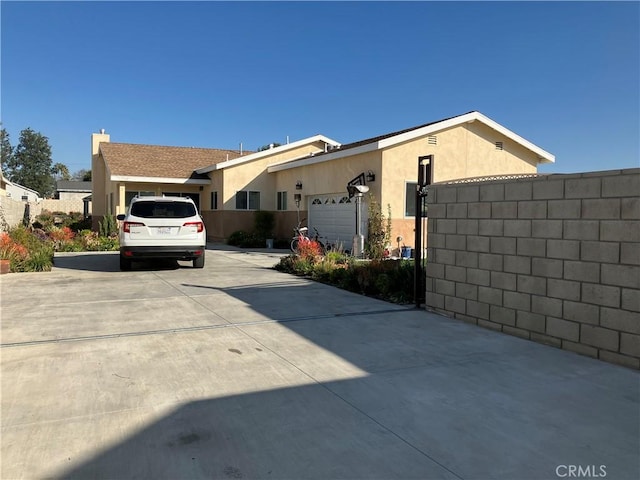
(334, 216)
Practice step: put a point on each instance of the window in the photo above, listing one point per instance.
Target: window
(193, 196)
(246, 200)
(410, 200)
(150, 209)
(128, 195)
(282, 201)
(214, 200)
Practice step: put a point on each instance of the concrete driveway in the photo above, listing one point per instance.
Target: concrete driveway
(238, 371)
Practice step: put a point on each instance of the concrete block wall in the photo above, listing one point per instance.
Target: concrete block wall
(554, 259)
(13, 212)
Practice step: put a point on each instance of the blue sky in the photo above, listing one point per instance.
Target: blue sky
(564, 75)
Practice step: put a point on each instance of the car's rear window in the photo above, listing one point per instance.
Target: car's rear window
(163, 209)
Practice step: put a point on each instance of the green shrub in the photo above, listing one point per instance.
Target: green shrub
(244, 239)
(264, 222)
(74, 220)
(25, 250)
(390, 280)
(108, 226)
(379, 230)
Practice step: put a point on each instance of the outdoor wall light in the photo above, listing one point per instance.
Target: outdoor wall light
(299, 185)
(371, 177)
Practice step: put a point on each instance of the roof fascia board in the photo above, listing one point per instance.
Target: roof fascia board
(311, 160)
(265, 153)
(544, 156)
(181, 181)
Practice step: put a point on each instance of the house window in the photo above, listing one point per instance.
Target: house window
(247, 200)
(214, 200)
(193, 196)
(410, 200)
(128, 196)
(282, 201)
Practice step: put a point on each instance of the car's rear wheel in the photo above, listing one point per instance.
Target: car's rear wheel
(198, 262)
(125, 264)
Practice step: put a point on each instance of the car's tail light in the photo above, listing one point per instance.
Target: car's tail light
(198, 225)
(126, 227)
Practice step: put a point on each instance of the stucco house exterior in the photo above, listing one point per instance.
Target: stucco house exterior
(19, 192)
(229, 185)
(72, 190)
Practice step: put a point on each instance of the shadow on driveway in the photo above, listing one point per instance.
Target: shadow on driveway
(108, 262)
(434, 398)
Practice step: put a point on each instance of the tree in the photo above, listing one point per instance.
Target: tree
(61, 172)
(267, 147)
(6, 150)
(82, 175)
(30, 164)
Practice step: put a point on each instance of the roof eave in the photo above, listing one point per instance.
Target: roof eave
(265, 153)
(178, 181)
(543, 155)
(312, 159)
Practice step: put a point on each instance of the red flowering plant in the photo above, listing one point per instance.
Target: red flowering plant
(310, 250)
(13, 251)
(62, 239)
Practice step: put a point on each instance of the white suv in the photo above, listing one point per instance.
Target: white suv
(162, 227)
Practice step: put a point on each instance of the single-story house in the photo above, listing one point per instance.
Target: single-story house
(18, 192)
(308, 178)
(72, 190)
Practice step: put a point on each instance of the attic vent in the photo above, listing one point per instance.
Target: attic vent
(499, 146)
(432, 140)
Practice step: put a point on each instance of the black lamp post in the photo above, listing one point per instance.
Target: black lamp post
(425, 164)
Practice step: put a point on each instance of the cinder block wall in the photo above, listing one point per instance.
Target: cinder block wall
(553, 259)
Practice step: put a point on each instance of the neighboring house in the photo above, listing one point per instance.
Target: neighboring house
(72, 190)
(71, 195)
(18, 192)
(229, 185)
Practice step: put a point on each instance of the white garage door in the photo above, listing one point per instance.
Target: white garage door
(334, 216)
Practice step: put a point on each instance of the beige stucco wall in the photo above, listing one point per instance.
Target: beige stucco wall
(72, 195)
(253, 176)
(98, 179)
(463, 151)
(328, 177)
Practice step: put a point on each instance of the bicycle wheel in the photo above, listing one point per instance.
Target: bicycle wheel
(294, 245)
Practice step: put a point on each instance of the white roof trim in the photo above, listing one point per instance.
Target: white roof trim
(181, 181)
(20, 187)
(543, 155)
(311, 160)
(265, 153)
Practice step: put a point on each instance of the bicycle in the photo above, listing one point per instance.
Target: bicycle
(325, 246)
(300, 237)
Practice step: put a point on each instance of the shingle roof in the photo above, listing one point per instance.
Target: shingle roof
(128, 159)
(71, 185)
(359, 143)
